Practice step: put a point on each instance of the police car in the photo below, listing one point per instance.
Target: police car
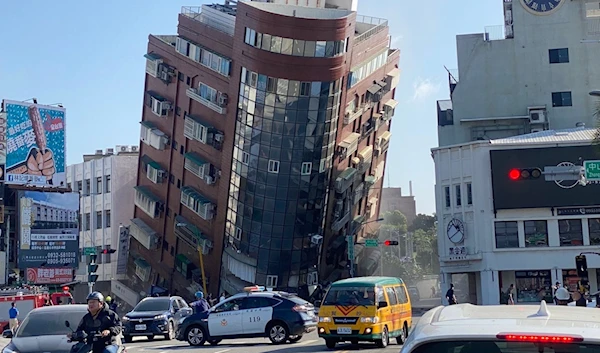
(466, 328)
(280, 316)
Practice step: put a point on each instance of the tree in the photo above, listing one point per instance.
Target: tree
(395, 220)
(426, 246)
(424, 222)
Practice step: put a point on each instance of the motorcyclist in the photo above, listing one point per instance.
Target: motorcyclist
(562, 295)
(101, 320)
(112, 305)
(200, 305)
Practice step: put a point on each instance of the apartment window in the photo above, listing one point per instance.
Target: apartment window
(99, 220)
(594, 226)
(570, 232)
(87, 221)
(305, 89)
(458, 195)
(272, 281)
(536, 233)
(107, 219)
(559, 56)
(447, 199)
(180, 76)
(98, 185)
(69, 186)
(273, 166)
(208, 93)
(246, 158)
(469, 194)
(561, 99)
(79, 186)
(238, 233)
(88, 187)
(306, 168)
(507, 235)
(107, 184)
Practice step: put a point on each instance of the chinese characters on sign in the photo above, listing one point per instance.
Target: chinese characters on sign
(49, 275)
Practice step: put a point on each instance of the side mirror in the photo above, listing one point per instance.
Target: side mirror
(7, 334)
(67, 323)
(382, 305)
(318, 303)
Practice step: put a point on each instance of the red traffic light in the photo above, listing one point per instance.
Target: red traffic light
(390, 242)
(524, 173)
(109, 251)
(514, 174)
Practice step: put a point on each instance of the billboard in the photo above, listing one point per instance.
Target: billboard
(49, 230)
(49, 275)
(539, 193)
(35, 144)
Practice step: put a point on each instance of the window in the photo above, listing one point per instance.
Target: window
(159, 105)
(99, 220)
(87, 222)
(592, 9)
(594, 226)
(245, 158)
(536, 233)
(107, 219)
(469, 194)
(458, 195)
(561, 99)
(392, 300)
(306, 168)
(153, 173)
(79, 186)
(107, 184)
(272, 281)
(447, 200)
(273, 166)
(98, 185)
(558, 56)
(305, 89)
(208, 93)
(507, 235)
(401, 294)
(191, 199)
(194, 130)
(238, 233)
(88, 187)
(570, 232)
(196, 166)
(145, 203)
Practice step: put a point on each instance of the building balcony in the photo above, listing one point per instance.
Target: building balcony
(341, 222)
(196, 202)
(383, 142)
(345, 180)
(367, 26)
(368, 126)
(219, 17)
(196, 129)
(143, 233)
(152, 136)
(192, 235)
(194, 94)
(348, 145)
(350, 116)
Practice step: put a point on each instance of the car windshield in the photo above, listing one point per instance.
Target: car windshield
(49, 323)
(504, 347)
(350, 296)
(153, 305)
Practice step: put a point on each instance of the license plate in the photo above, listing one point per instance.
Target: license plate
(344, 330)
(140, 327)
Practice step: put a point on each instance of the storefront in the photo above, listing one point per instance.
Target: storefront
(570, 279)
(533, 286)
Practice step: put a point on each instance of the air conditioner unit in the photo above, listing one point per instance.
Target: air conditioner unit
(135, 148)
(164, 75)
(209, 179)
(123, 148)
(316, 239)
(223, 99)
(537, 116)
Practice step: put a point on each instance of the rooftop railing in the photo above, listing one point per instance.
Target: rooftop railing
(378, 25)
(195, 13)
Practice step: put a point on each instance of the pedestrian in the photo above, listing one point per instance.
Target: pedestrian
(555, 288)
(223, 297)
(13, 314)
(510, 292)
(200, 305)
(450, 295)
(47, 302)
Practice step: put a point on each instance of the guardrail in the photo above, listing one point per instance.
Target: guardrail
(195, 13)
(378, 23)
(494, 33)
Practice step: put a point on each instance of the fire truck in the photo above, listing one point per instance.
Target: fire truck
(28, 298)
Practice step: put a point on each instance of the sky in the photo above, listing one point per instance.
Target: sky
(89, 57)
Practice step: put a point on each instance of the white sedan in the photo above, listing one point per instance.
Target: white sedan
(466, 328)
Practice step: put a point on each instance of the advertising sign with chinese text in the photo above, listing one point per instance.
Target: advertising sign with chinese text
(49, 275)
(35, 144)
(49, 230)
(2, 145)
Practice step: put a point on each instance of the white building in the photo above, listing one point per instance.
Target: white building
(496, 231)
(105, 181)
(532, 73)
(47, 212)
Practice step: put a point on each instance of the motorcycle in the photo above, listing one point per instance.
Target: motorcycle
(85, 342)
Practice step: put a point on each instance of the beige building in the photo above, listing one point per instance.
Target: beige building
(392, 199)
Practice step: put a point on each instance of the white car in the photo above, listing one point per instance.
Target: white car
(466, 328)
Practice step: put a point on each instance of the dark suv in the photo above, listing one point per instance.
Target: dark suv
(155, 316)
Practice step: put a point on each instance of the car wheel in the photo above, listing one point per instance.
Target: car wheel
(150, 337)
(330, 343)
(127, 339)
(171, 333)
(295, 338)
(195, 336)
(214, 342)
(402, 338)
(385, 338)
(278, 333)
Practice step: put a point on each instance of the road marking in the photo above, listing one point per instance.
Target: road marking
(132, 347)
(304, 343)
(163, 346)
(223, 351)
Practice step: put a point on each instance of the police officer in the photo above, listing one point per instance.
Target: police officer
(101, 320)
(200, 305)
(562, 295)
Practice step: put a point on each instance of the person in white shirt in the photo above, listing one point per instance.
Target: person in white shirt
(222, 299)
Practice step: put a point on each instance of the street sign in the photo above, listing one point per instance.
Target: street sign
(89, 251)
(592, 170)
(371, 243)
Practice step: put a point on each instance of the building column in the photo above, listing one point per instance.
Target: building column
(490, 287)
(445, 280)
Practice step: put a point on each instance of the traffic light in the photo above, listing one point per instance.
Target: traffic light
(581, 264)
(524, 173)
(92, 268)
(390, 242)
(108, 251)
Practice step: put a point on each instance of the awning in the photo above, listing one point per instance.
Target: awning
(395, 72)
(155, 165)
(143, 227)
(347, 173)
(382, 83)
(152, 56)
(392, 103)
(195, 158)
(190, 191)
(349, 140)
(366, 153)
(386, 136)
(146, 192)
(183, 259)
(141, 263)
(148, 124)
(156, 96)
(374, 89)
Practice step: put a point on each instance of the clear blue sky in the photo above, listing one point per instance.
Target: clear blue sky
(89, 57)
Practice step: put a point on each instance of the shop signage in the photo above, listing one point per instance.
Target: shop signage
(124, 293)
(577, 211)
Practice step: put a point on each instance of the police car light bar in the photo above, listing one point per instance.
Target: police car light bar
(254, 289)
(529, 337)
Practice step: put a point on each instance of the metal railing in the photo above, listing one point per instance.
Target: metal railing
(491, 33)
(378, 25)
(195, 13)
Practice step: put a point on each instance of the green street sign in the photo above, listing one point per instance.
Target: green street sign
(371, 243)
(592, 170)
(89, 251)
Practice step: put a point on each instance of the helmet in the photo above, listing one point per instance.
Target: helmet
(562, 294)
(199, 295)
(95, 296)
(108, 299)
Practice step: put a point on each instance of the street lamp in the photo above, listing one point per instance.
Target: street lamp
(200, 255)
(595, 93)
(350, 241)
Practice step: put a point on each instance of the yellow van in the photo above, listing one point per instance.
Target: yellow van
(365, 309)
